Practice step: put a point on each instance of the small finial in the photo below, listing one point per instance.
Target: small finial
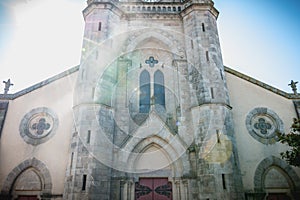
(7, 86)
(293, 86)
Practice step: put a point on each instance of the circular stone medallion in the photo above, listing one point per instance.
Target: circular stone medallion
(38, 126)
(263, 124)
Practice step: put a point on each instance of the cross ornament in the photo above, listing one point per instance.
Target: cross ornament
(7, 86)
(293, 85)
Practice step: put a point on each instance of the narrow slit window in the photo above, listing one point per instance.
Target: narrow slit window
(207, 56)
(88, 140)
(99, 26)
(192, 44)
(93, 91)
(218, 136)
(212, 93)
(71, 163)
(96, 55)
(221, 75)
(223, 181)
(203, 27)
(82, 74)
(83, 182)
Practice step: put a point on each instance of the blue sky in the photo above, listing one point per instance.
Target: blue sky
(260, 38)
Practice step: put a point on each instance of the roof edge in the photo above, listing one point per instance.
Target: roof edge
(261, 84)
(39, 85)
(76, 68)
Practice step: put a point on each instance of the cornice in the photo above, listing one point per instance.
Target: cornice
(160, 16)
(110, 5)
(130, 9)
(190, 7)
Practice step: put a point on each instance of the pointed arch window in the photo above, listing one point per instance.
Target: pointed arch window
(144, 92)
(159, 88)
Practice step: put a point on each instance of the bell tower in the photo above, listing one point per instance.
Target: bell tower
(217, 163)
(151, 110)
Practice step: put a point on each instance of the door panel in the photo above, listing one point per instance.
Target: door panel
(153, 189)
(144, 189)
(27, 198)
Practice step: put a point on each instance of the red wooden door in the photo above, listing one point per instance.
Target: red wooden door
(27, 198)
(153, 189)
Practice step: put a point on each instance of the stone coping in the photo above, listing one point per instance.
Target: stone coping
(76, 68)
(39, 85)
(261, 84)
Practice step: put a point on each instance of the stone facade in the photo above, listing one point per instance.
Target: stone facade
(127, 43)
(150, 111)
(47, 160)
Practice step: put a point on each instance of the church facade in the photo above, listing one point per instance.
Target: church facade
(150, 113)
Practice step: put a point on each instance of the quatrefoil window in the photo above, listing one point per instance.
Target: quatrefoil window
(41, 126)
(151, 61)
(262, 125)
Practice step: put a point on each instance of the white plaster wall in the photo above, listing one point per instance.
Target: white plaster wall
(244, 97)
(54, 153)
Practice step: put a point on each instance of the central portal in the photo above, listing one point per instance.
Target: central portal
(153, 189)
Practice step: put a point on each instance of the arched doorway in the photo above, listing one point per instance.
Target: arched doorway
(155, 184)
(277, 184)
(28, 185)
(29, 180)
(276, 179)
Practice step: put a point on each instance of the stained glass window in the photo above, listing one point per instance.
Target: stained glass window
(159, 88)
(144, 92)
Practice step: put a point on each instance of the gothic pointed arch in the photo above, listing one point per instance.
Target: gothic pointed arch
(160, 147)
(153, 157)
(144, 92)
(269, 163)
(37, 170)
(159, 88)
(168, 41)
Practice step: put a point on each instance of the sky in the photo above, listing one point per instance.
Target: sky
(41, 38)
